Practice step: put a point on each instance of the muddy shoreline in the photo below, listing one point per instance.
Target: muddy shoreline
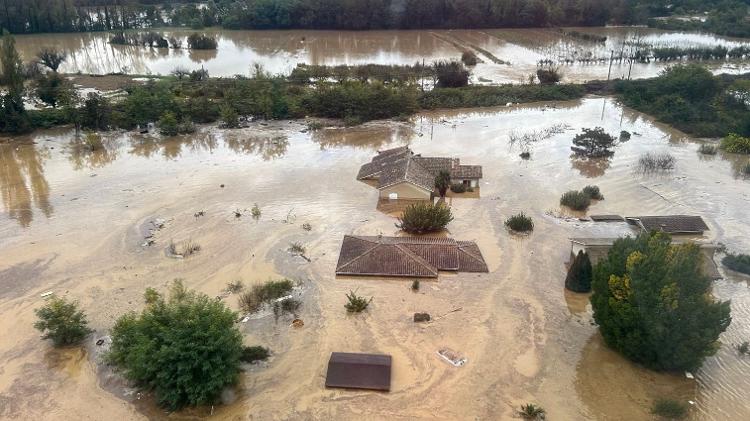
(71, 222)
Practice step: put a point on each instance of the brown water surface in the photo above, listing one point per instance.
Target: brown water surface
(507, 55)
(72, 221)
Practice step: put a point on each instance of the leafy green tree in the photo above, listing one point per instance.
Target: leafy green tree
(186, 348)
(168, 125)
(425, 217)
(51, 88)
(442, 182)
(653, 303)
(229, 117)
(579, 274)
(14, 117)
(62, 321)
(593, 143)
(451, 74)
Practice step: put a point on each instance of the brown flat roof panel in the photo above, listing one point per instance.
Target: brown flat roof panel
(673, 224)
(359, 371)
(607, 218)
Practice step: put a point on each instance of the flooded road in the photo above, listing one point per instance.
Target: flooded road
(72, 221)
(506, 55)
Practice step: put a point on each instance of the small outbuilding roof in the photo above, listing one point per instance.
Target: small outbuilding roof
(359, 371)
(671, 224)
(417, 257)
(607, 218)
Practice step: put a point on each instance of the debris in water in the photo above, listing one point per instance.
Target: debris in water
(297, 323)
(452, 357)
(222, 186)
(47, 294)
(421, 317)
(199, 214)
(100, 342)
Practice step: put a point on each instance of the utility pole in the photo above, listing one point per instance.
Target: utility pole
(611, 57)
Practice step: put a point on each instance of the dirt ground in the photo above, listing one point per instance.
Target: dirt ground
(73, 223)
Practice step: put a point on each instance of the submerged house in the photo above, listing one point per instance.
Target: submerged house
(359, 371)
(413, 257)
(598, 248)
(670, 224)
(401, 174)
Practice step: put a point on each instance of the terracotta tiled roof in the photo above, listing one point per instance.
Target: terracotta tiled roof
(467, 171)
(359, 371)
(672, 224)
(407, 256)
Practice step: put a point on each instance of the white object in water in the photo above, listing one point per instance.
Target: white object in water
(284, 298)
(47, 294)
(689, 375)
(452, 357)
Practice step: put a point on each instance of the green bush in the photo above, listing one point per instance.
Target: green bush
(229, 117)
(548, 76)
(737, 262)
(531, 411)
(734, 143)
(458, 188)
(469, 58)
(425, 217)
(593, 192)
(580, 274)
(251, 354)
(355, 303)
(168, 125)
(185, 348)
(575, 200)
(520, 223)
(451, 74)
(593, 143)
(197, 41)
(670, 409)
(653, 303)
(490, 96)
(62, 321)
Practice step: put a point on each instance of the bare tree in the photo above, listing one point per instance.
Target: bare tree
(51, 58)
(180, 72)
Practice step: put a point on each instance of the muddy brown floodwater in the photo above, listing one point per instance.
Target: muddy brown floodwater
(506, 55)
(73, 221)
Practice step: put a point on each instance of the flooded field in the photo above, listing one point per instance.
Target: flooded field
(73, 221)
(506, 55)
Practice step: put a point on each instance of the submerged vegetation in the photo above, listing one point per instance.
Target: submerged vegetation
(520, 223)
(576, 200)
(735, 144)
(251, 354)
(532, 411)
(186, 348)
(670, 409)
(356, 303)
(421, 218)
(258, 295)
(62, 321)
(651, 315)
(651, 162)
(737, 262)
(580, 273)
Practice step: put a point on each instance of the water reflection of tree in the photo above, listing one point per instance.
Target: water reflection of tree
(267, 147)
(81, 154)
(22, 182)
(361, 137)
(590, 167)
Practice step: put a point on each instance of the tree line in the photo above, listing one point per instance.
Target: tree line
(32, 16)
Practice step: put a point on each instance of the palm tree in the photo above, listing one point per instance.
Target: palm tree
(442, 182)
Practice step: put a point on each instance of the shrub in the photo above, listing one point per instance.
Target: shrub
(707, 149)
(525, 155)
(255, 211)
(624, 136)
(737, 262)
(458, 188)
(579, 274)
(548, 76)
(593, 143)
(306, 226)
(251, 301)
(62, 321)
(197, 41)
(186, 126)
(469, 58)
(297, 248)
(52, 89)
(451, 74)
(576, 200)
(185, 348)
(442, 182)
(251, 354)
(425, 217)
(653, 162)
(168, 125)
(151, 296)
(743, 348)
(184, 248)
(653, 303)
(531, 411)
(593, 192)
(415, 285)
(229, 117)
(670, 409)
(355, 303)
(520, 223)
(736, 144)
(235, 286)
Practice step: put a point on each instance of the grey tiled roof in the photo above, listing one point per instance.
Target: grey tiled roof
(672, 224)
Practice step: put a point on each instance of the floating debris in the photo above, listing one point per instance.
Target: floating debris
(452, 357)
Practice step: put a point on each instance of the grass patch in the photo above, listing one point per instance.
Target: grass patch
(520, 223)
(235, 287)
(656, 162)
(251, 301)
(576, 200)
(670, 409)
(425, 217)
(184, 248)
(251, 354)
(356, 303)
